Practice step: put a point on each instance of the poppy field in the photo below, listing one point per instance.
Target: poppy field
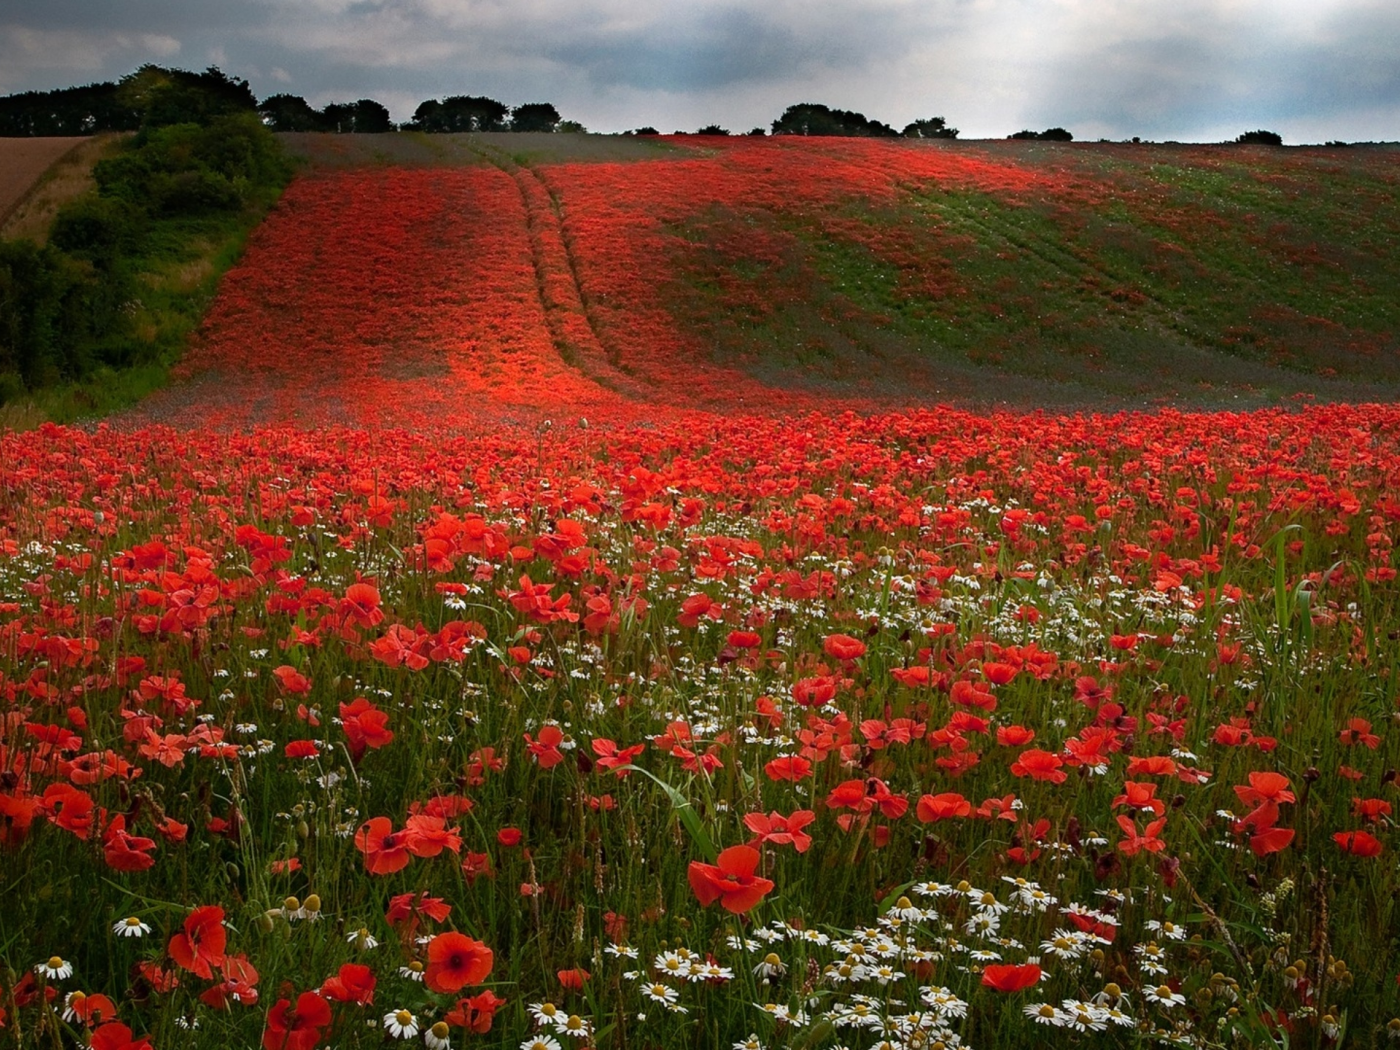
(468, 653)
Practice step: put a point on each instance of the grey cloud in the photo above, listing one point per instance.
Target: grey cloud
(1159, 68)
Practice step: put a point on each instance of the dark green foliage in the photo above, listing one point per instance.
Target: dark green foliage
(930, 128)
(365, 117)
(712, 129)
(534, 116)
(646, 130)
(50, 305)
(458, 113)
(294, 113)
(67, 111)
(176, 96)
(150, 97)
(1048, 135)
(290, 113)
(92, 298)
(809, 118)
(1260, 138)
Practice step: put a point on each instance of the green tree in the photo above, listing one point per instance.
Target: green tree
(365, 117)
(290, 113)
(808, 118)
(930, 128)
(534, 116)
(176, 96)
(458, 113)
(1260, 138)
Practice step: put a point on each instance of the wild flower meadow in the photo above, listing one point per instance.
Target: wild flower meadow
(902, 730)
(562, 714)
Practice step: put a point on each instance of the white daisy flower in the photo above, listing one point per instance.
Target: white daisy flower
(545, 1013)
(1170, 930)
(436, 1037)
(770, 966)
(1066, 944)
(362, 939)
(412, 970)
(1117, 1016)
(751, 1043)
(131, 926)
(661, 993)
(1152, 960)
(575, 1026)
(541, 1042)
(1084, 1017)
(55, 969)
(1045, 1013)
(1162, 995)
(988, 902)
(779, 1012)
(401, 1024)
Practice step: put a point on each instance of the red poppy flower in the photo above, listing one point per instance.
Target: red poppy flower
(125, 852)
(475, 1014)
(946, 806)
(611, 757)
(353, 984)
(426, 836)
(1140, 796)
(1358, 843)
(573, 980)
(1271, 840)
(92, 1009)
(292, 680)
(1014, 736)
(781, 830)
(546, 748)
(454, 961)
(1265, 787)
(1151, 765)
(200, 946)
(731, 881)
(117, 1036)
(361, 605)
(843, 647)
(299, 1027)
(1040, 765)
(1010, 978)
(238, 984)
(365, 726)
(788, 767)
(385, 850)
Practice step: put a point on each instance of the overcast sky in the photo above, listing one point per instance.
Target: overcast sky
(1193, 70)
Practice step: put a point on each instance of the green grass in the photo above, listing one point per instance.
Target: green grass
(1184, 276)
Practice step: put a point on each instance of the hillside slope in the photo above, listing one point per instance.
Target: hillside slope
(437, 278)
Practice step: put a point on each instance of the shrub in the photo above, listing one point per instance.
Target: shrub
(1260, 137)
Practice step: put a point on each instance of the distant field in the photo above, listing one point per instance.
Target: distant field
(22, 161)
(676, 271)
(38, 176)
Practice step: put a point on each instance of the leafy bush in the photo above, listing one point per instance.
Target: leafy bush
(1260, 137)
(68, 308)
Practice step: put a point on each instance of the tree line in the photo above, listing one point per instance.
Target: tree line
(182, 96)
